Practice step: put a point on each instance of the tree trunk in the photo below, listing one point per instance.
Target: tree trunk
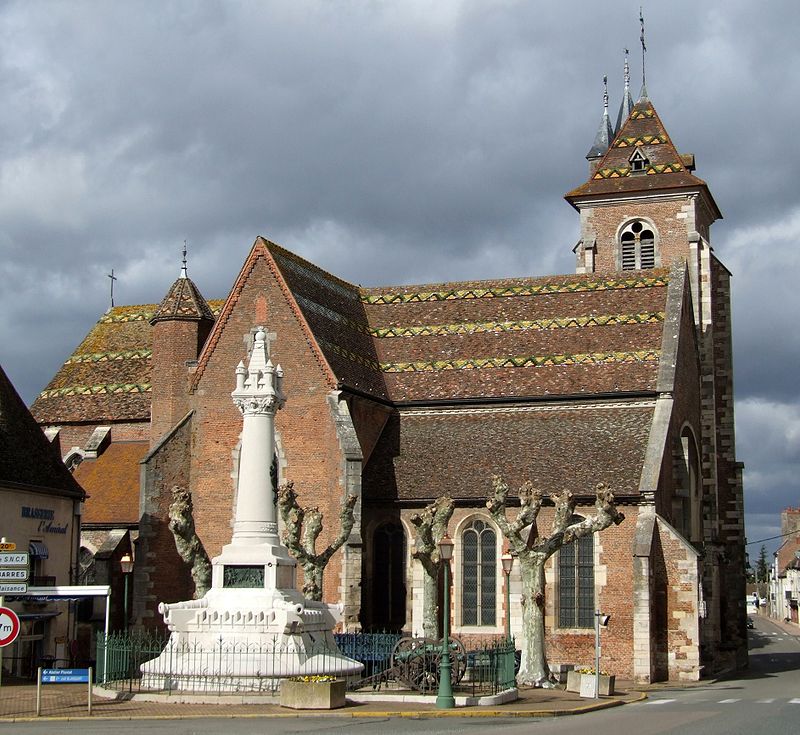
(430, 605)
(312, 581)
(534, 670)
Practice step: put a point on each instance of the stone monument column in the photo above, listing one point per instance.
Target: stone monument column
(255, 556)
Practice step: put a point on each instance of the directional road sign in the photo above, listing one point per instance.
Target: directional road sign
(65, 676)
(9, 626)
(14, 558)
(13, 588)
(13, 575)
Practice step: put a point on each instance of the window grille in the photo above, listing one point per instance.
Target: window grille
(576, 584)
(479, 575)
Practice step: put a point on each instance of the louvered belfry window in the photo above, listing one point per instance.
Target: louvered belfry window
(637, 247)
(479, 574)
(576, 584)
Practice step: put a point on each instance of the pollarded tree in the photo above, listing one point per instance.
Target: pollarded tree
(188, 544)
(533, 551)
(301, 530)
(431, 525)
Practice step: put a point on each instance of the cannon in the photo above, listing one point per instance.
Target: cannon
(415, 663)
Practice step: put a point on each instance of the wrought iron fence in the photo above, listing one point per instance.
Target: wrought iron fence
(191, 666)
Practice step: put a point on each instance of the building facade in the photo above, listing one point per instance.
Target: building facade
(620, 373)
(42, 505)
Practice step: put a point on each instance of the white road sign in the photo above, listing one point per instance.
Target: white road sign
(14, 558)
(13, 588)
(13, 575)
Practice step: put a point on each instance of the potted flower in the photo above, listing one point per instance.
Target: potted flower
(313, 692)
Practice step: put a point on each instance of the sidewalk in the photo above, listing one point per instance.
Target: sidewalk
(69, 702)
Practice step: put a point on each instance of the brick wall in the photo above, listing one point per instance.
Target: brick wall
(311, 454)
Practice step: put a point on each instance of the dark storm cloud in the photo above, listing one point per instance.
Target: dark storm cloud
(388, 142)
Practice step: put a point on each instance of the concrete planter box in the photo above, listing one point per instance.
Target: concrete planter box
(606, 683)
(312, 694)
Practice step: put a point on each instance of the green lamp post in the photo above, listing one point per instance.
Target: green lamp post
(508, 563)
(444, 699)
(126, 566)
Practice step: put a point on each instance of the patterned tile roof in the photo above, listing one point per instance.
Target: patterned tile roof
(665, 169)
(455, 450)
(107, 378)
(183, 301)
(112, 483)
(26, 455)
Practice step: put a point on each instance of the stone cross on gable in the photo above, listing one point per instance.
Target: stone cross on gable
(249, 338)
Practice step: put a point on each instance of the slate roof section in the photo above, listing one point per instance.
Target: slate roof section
(112, 483)
(452, 451)
(183, 302)
(334, 312)
(107, 378)
(26, 456)
(667, 169)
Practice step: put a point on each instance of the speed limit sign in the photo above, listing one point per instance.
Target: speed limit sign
(9, 626)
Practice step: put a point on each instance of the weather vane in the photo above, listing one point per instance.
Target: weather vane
(113, 278)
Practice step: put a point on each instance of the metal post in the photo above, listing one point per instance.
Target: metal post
(597, 654)
(509, 650)
(39, 691)
(125, 603)
(90, 691)
(445, 699)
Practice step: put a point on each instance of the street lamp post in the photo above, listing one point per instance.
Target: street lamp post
(444, 699)
(508, 563)
(126, 564)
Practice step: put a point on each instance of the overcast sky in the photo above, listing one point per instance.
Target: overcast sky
(388, 142)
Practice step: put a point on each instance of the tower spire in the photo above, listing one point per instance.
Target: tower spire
(183, 267)
(626, 105)
(605, 133)
(643, 92)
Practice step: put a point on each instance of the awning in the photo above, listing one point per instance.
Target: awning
(34, 616)
(38, 550)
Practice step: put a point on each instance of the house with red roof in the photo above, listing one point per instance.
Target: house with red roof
(620, 373)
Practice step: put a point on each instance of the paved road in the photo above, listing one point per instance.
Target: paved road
(765, 701)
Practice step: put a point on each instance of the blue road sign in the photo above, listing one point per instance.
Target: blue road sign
(65, 676)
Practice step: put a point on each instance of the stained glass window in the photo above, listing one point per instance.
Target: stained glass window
(479, 574)
(576, 584)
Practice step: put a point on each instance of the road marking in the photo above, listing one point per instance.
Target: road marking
(728, 701)
(794, 701)
(764, 701)
(661, 701)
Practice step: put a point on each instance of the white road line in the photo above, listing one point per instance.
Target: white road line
(728, 701)
(794, 701)
(764, 701)
(660, 701)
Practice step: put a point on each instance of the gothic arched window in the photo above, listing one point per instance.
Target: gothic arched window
(576, 583)
(637, 246)
(479, 574)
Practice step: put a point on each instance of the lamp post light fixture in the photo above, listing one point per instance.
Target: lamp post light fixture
(444, 699)
(126, 565)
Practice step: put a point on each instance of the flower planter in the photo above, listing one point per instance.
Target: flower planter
(312, 694)
(574, 679)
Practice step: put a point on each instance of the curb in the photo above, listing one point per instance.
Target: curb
(418, 714)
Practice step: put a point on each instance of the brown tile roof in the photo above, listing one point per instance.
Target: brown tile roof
(424, 454)
(524, 337)
(107, 378)
(112, 483)
(667, 169)
(26, 456)
(183, 301)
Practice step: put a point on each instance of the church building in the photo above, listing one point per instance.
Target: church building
(619, 373)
